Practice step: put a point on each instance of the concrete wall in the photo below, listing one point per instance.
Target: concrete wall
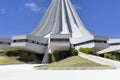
(3, 44)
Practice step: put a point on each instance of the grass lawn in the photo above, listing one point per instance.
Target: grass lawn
(9, 60)
(75, 61)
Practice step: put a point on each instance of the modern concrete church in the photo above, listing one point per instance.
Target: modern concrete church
(59, 30)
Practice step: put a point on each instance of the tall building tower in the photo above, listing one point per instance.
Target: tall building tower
(59, 30)
(61, 18)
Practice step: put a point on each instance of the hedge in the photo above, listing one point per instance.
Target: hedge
(113, 55)
(27, 57)
(11, 52)
(24, 56)
(59, 55)
(74, 52)
(87, 50)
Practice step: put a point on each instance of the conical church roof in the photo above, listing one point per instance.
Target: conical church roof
(61, 18)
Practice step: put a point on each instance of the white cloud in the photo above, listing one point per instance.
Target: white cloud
(2, 10)
(33, 6)
(77, 7)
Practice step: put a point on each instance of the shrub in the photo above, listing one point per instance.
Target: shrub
(24, 56)
(87, 50)
(106, 55)
(112, 55)
(11, 52)
(59, 55)
(32, 57)
(74, 52)
(27, 57)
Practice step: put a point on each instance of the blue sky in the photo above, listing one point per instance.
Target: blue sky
(18, 17)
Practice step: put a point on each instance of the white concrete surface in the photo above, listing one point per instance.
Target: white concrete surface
(101, 60)
(114, 46)
(113, 41)
(5, 43)
(18, 67)
(27, 72)
(30, 43)
(59, 42)
(110, 49)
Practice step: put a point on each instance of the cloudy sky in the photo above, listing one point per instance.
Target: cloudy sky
(18, 17)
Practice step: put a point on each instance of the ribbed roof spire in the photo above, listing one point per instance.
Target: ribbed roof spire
(61, 18)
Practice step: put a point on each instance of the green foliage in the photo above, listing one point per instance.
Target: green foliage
(107, 55)
(87, 50)
(11, 52)
(24, 56)
(74, 52)
(59, 55)
(113, 55)
(27, 57)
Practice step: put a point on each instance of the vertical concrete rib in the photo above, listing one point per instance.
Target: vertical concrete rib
(75, 30)
(57, 22)
(47, 28)
(79, 22)
(64, 20)
(43, 19)
(72, 13)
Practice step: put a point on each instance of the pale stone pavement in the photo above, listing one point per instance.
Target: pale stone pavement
(27, 72)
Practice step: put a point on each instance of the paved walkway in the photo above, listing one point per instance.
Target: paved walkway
(27, 72)
(101, 60)
(19, 67)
